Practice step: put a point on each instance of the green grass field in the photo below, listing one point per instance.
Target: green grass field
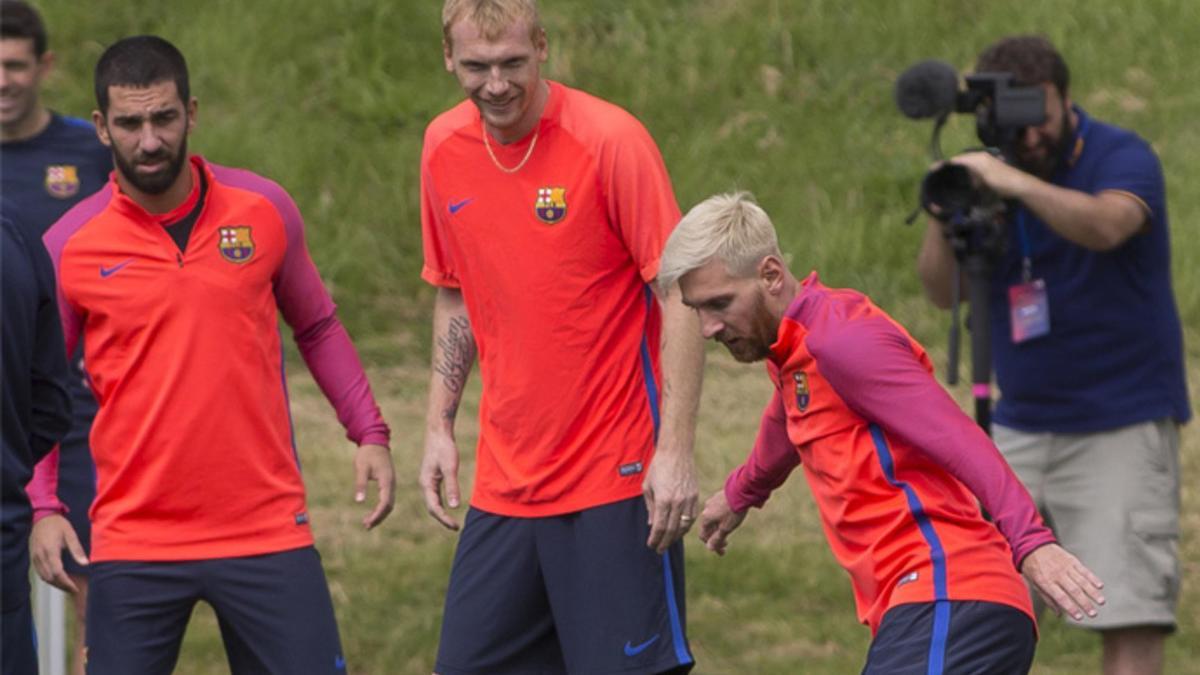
(790, 99)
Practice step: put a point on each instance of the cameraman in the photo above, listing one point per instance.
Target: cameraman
(1087, 347)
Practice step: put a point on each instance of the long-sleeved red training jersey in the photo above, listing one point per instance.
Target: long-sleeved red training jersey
(894, 465)
(194, 450)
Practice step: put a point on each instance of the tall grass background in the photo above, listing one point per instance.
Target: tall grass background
(791, 100)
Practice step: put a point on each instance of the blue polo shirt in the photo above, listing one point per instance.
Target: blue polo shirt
(45, 176)
(1114, 353)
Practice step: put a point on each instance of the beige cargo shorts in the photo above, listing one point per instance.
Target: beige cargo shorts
(1112, 498)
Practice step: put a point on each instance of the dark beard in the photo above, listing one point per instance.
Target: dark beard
(155, 183)
(1046, 168)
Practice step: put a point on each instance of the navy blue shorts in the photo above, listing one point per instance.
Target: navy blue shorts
(931, 638)
(578, 593)
(18, 642)
(77, 489)
(274, 612)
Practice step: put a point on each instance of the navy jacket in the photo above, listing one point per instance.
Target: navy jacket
(35, 401)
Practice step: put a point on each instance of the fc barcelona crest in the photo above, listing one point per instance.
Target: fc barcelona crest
(236, 244)
(62, 180)
(551, 205)
(802, 393)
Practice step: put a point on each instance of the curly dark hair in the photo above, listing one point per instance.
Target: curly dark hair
(1031, 58)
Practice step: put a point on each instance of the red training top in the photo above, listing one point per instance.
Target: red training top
(554, 261)
(894, 465)
(194, 451)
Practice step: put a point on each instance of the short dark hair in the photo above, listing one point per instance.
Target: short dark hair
(19, 20)
(1031, 58)
(140, 61)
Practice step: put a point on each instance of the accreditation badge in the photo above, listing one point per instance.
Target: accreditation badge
(1029, 310)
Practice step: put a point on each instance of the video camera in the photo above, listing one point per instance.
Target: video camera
(973, 216)
(1002, 111)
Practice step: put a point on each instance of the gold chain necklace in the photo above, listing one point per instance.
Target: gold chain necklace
(528, 153)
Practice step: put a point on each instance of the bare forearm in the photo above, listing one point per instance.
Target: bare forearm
(453, 357)
(683, 370)
(936, 265)
(1097, 222)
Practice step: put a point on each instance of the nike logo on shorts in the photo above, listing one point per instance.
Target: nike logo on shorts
(455, 207)
(631, 650)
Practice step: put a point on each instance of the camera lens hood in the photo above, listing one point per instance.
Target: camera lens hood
(947, 190)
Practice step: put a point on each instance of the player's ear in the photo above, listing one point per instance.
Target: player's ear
(540, 44)
(192, 106)
(46, 63)
(101, 128)
(771, 273)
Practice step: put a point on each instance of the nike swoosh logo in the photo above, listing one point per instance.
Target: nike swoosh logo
(455, 207)
(106, 272)
(631, 650)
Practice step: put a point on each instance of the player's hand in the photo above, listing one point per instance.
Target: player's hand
(439, 469)
(374, 463)
(671, 494)
(50, 537)
(718, 521)
(1063, 582)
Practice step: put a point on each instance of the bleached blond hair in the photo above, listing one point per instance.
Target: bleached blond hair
(729, 227)
(492, 17)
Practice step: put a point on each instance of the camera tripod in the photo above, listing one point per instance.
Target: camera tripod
(977, 238)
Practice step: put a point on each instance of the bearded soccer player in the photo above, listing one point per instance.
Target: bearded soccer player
(175, 273)
(893, 463)
(544, 212)
(51, 162)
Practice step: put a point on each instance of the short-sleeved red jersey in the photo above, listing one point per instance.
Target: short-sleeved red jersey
(195, 457)
(894, 465)
(554, 262)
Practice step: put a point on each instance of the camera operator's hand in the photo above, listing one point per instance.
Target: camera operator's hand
(935, 262)
(1099, 222)
(997, 175)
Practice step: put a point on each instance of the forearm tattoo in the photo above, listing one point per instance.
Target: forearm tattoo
(458, 353)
